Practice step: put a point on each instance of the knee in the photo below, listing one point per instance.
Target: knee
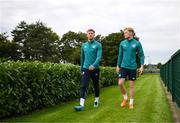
(84, 86)
(120, 83)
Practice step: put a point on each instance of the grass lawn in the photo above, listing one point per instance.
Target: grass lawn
(151, 105)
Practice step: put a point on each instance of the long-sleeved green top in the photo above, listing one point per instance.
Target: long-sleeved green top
(91, 52)
(127, 54)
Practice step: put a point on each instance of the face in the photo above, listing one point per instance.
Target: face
(127, 34)
(90, 35)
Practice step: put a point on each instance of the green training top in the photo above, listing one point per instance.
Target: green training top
(127, 54)
(91, 52)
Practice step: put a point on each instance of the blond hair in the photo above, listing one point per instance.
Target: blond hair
(130, 30)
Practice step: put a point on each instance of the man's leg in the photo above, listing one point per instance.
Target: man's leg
(123, 91)
(84, 85)
(83, 91)
(131, 91)
(95, 78)
(121, 85)
(132, 78)
(123, 74)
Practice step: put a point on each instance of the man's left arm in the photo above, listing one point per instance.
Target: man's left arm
(98, 58)
(141, 55)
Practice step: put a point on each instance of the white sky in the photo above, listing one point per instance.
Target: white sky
(156, 22)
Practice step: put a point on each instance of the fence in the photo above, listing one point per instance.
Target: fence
(170, 75)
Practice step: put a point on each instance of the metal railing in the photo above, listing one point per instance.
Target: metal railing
(170, 75)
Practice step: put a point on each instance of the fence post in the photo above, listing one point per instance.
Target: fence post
(173, 87)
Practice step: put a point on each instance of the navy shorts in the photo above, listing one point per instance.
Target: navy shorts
(124, 73)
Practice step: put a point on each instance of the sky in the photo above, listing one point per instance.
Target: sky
(156, 22)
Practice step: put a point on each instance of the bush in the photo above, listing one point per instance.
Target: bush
(27, 86)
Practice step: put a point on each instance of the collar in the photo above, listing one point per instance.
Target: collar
(91, 41)
(130, 39)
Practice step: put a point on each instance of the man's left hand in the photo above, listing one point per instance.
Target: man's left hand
(141, 69)
(91, 67)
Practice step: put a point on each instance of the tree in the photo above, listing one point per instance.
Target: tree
(145, 66)
(8, 49)
(159, 65)
(70, 45)
(36, 41)
(110, 46)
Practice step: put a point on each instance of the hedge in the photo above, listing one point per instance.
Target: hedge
(28, 86)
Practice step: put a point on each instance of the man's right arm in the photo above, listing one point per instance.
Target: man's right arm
(120, 56)
(82, 58)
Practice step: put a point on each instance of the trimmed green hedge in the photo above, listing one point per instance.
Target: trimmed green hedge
(27, 86)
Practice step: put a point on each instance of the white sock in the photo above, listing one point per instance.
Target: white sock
(131, 101)
(125, 96)
(96, 99)
(82, 101)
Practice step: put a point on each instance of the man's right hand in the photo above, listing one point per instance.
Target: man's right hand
(118, 69)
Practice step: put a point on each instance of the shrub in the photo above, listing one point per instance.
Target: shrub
(27, 86)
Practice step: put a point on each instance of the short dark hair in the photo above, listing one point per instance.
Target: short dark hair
(91, 30)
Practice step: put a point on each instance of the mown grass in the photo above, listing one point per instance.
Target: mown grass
(151, 105)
